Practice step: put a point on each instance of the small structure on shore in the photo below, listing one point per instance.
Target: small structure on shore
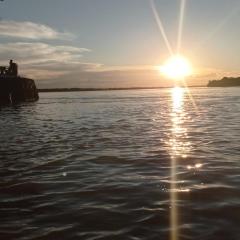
(16, 89)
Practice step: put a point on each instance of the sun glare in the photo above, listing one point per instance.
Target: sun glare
(176, 67)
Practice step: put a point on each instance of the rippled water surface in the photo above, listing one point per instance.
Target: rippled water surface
(139, 164)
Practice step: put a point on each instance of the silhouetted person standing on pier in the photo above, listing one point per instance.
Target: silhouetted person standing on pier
(13, 68)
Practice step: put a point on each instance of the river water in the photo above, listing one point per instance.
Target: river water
(134, 165)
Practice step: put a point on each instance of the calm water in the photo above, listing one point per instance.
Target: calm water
(145, 164)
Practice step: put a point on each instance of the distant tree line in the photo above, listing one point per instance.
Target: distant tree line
(225, 82)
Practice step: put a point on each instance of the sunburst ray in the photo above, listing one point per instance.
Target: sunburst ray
(160, 26)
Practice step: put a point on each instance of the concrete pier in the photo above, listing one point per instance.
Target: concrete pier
(17, 89)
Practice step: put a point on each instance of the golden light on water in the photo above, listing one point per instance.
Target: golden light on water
(176, 67)
(177, 98)
(196, 166)
(178, 149)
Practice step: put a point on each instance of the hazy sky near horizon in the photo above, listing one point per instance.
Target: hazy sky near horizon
(117, 43)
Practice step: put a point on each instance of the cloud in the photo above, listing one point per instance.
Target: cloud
(30, 30)
(100, 78)
(58, 71)
(56, 66)
(30, 53)
(45, 61)
(213, 73)
(63, 65)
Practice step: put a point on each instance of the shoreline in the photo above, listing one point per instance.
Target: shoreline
(104, 89)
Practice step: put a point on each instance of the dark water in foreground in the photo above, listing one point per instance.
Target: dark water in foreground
(146, 164)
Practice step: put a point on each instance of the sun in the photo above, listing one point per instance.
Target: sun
(176, 67)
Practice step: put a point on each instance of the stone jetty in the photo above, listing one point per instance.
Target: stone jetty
(15, 89)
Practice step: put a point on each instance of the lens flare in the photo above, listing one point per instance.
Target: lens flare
(180, 26)
(160, 26)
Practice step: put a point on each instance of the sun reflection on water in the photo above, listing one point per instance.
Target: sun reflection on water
(177, 98)
(179, 148)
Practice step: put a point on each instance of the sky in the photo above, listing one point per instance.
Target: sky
(118, 43)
